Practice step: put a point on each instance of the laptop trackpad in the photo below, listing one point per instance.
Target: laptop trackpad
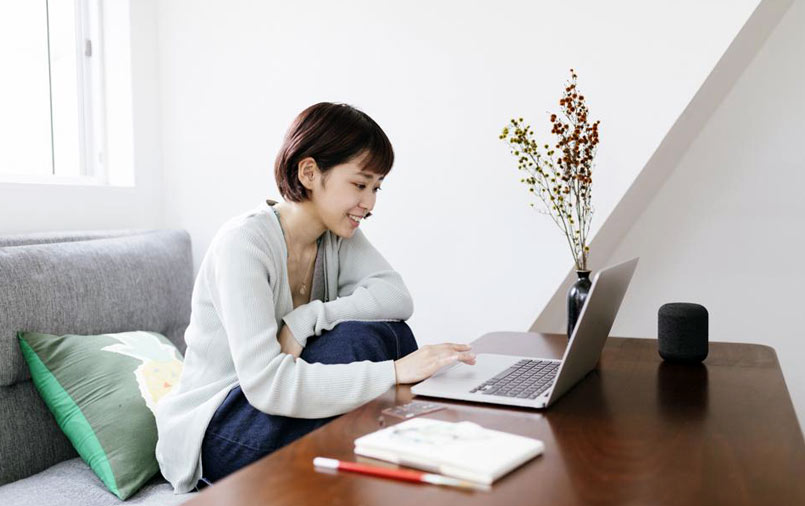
(462, 377)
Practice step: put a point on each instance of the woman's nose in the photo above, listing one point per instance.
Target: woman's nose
(368, 203)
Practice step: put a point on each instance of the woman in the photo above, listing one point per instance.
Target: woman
(295, 317)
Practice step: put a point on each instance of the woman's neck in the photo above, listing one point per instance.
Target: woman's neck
(301, 224)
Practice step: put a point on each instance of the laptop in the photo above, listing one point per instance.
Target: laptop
(539, 382)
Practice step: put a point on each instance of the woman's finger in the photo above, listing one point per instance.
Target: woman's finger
(447, 358)
(467, 357)
(452, 357)
(457, 346)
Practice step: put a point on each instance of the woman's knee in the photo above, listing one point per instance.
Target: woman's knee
(403, 337)
(355, 341)
(392, 339)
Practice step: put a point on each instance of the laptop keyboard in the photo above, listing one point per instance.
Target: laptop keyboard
(527, 379)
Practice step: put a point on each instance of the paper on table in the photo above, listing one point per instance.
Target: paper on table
(459, 449)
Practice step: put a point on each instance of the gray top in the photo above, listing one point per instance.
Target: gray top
(240, 295)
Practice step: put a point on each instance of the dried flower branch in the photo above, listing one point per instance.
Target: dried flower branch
(561, 176)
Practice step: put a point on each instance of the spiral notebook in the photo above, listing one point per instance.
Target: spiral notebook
(462, 450)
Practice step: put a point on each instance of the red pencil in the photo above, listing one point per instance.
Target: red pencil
(396, 474)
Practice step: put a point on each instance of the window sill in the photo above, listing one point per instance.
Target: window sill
(10, 179)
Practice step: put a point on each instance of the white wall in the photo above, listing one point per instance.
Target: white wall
(442, 78)
(216, 84)
(45, 207)
(726, 231)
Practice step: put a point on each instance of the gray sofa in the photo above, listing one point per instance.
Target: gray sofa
(79, 283)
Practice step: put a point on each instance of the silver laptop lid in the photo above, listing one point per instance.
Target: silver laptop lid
(593, 325)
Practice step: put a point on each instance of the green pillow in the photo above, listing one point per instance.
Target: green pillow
(103, 390)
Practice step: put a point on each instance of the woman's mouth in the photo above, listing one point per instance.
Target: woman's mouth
(355, 220)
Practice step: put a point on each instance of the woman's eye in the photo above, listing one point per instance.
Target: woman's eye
(362, 186)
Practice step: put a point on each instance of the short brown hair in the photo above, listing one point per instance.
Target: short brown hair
(331, 134)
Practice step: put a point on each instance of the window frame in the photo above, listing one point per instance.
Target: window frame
(91, 96)
(91, 128)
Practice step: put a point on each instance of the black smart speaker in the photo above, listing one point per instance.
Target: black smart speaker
(682, 332)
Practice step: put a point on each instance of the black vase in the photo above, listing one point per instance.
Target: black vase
(576, 298)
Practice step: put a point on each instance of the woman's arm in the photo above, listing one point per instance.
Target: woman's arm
(272, 381)
(288, 344)
(368, 290)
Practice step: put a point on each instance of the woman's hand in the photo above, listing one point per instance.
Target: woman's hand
(289, 344)
(427, 360)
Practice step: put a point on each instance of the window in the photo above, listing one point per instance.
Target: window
(54, 114)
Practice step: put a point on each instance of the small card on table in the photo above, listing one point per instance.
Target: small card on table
(412, 409)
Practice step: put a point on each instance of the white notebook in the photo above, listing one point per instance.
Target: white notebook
(460, 449)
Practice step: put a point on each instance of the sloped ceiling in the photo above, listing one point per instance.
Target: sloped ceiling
(685, 129)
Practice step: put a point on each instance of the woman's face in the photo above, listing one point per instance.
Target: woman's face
(350, 192)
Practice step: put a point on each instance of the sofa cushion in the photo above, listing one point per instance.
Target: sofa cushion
(103, 391)
(71, 482)
(29, 433)
(116, 284)
(33, 238)
(87, 283)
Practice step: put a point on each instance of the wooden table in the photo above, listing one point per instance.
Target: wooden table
(635, 431)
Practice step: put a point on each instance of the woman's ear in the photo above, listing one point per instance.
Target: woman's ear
(308, 171)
